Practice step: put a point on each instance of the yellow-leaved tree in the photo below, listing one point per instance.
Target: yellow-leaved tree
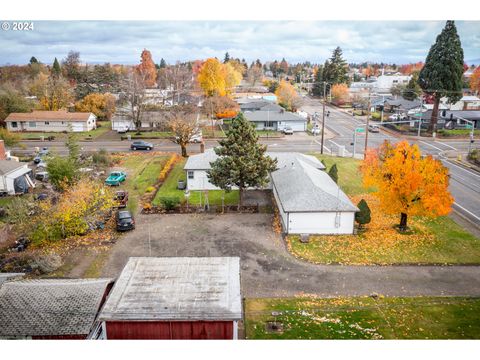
(211, 78)
(102, 105)
(78, 210)
(406, 182)
(287, 96)
(232, 77)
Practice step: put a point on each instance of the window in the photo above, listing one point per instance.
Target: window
(14, 124)
(268, 124)
(47, 123)
(190, 174)
(32, 124)
(395, 81)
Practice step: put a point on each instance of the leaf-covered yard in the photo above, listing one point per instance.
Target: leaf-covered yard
(430, 241)
(363, 318)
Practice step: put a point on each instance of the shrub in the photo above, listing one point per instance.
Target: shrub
(101, 157)
(376, 115)
(364, 215)
(62, 171)
(10, 139)
(169, 203)
(150, 189)
(168, 166)
(333, 172)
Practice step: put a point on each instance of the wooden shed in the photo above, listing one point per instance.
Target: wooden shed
(175, 298)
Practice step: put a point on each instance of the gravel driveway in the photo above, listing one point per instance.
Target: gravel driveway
(268, 270)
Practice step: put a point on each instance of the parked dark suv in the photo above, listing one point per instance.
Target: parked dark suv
(141, 145)
(125, 220)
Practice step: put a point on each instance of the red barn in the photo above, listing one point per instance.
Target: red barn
(175, 298)
(51, 308)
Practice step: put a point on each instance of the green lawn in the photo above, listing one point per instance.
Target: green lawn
(457, 132)
(4, 201)
(349, 177)
(142, 172)
(432, 241)
(364, 318)
(169, 190)
(106, 126)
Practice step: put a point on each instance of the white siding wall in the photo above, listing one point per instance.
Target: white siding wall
(6, 181)
(295, 125)
(53, 126)
(320, 223)
(200, 181)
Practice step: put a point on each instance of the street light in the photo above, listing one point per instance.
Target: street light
(323, 114)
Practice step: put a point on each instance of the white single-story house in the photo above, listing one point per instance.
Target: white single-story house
(15, 177)
(276, 120)
(308, 200)
(51, 121)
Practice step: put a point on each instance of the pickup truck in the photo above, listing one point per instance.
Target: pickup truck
(115, 178)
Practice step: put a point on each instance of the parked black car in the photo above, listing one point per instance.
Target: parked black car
(125, 220)
(141, 145)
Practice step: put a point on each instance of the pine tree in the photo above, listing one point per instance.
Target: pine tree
(333, 172)
(336, 69)
(364, 215)
(317, 89)
(56, 70)
(242, 161)
(227, 58)
(163, 63)
(412, 90)
(443, 71)
(33, 60)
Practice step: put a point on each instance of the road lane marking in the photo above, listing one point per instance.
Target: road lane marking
(461, 168)
(451, 147)
(423, 142)
(468, 211)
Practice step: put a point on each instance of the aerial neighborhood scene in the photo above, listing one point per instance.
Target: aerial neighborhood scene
(228, 184)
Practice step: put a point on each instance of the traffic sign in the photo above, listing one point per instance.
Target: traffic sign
(469, 127)
(360, 129)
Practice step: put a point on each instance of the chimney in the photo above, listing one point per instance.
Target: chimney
(2, 151)
(202, 147)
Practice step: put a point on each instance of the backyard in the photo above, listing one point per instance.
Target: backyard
(430, 240)
(169, 190)
(363, 318)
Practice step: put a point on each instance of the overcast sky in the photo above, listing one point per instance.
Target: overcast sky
(297, 41)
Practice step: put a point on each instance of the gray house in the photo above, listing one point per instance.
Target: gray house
(276, 120)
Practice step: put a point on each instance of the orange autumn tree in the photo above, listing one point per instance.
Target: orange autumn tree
(475, 80)
(406, 182)
(287, 96)
(340, 93)
(147, 68)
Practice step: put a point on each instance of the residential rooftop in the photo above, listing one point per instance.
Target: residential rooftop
(7, 166)
(60, 115)
(50, 307)
(176, 288)
(277, 115)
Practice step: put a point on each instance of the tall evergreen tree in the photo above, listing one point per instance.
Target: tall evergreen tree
(317, 88)
(443, 71)
(227, 58)
(412, 90)
(242, 161)
(56, 70)
(335, 70)
(163, 63)
(33, 60)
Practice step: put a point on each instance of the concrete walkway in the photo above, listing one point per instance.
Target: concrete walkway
(268, 270)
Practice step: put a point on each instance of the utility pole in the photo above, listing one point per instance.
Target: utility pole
(366, 126)
(323, 114)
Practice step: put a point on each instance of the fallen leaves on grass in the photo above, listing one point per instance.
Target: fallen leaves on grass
(381, 243)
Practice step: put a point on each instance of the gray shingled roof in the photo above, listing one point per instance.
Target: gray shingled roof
(403, 104)
(176, 288)
(7, 166)
(259, 105)
(272, 116)
(49, 307)
(9, 276)
(202, 161)
(303, 188)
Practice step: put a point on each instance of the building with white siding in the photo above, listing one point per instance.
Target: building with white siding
(51, 121)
